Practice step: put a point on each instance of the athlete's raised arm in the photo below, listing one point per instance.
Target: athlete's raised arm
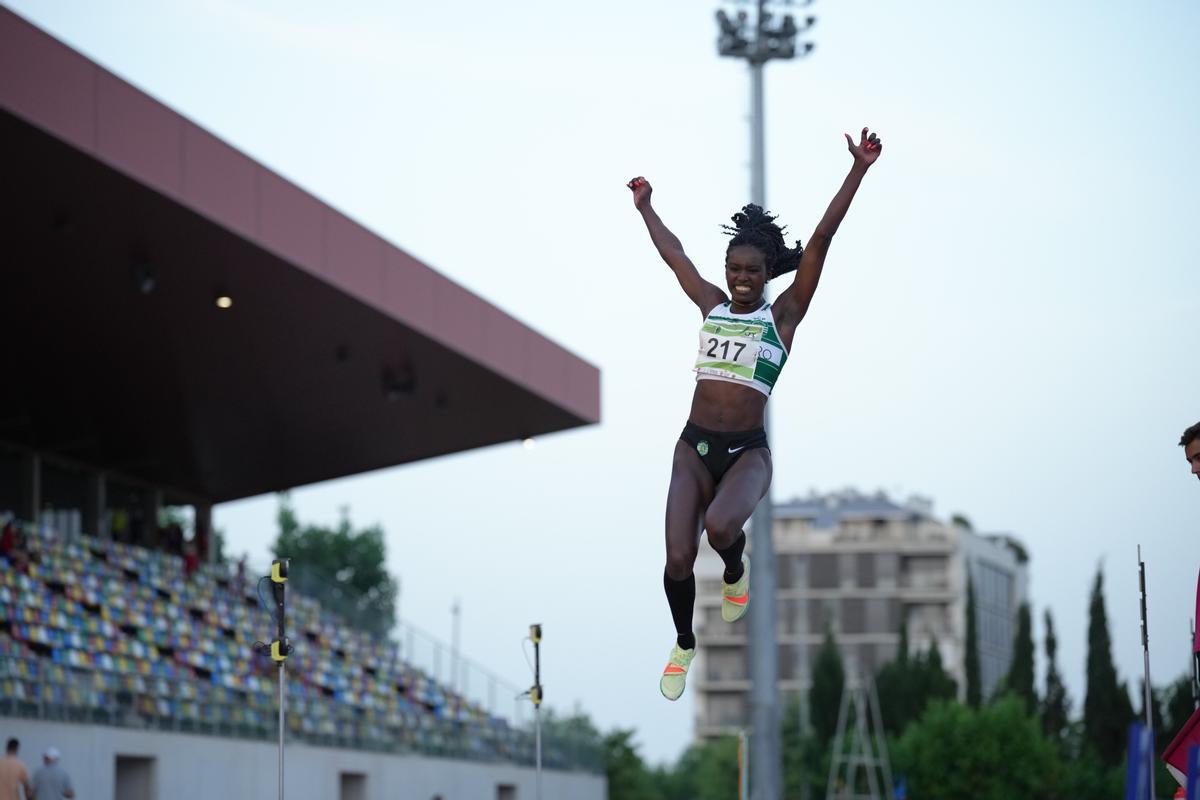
(792, 303)
(704, 294)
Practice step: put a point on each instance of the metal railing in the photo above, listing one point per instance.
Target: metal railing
(418, 648)
(43, 690)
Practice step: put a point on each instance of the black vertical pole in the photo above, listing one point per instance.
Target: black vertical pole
(1146, 658)
(280, 648)
(535, 633)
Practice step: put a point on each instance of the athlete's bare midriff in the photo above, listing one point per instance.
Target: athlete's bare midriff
(723, 406)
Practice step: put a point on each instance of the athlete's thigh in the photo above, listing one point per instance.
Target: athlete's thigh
(690, 493)
(740, 490)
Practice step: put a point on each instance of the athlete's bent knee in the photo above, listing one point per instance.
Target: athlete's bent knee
(680, 563)
(722, 530)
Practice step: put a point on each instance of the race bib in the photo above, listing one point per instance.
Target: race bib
(729, 349)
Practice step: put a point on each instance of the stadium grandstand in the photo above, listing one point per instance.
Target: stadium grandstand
(187, 328)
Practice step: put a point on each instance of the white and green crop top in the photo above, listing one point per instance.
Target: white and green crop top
(741, 348)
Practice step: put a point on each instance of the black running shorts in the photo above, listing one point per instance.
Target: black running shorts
(720, 450)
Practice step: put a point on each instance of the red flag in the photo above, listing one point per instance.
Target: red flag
(1176, 753)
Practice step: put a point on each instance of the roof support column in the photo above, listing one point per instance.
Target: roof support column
(95, 507)
(30, 506)
(152, 500)
(204, 533)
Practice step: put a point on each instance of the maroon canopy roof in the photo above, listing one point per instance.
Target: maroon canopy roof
(123, 221)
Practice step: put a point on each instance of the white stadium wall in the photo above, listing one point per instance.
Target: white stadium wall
(191, 767)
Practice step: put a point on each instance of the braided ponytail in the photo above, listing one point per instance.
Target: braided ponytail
(756, 228)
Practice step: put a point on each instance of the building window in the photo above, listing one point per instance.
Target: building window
(854, 615)
(823, 571)
(866, 570)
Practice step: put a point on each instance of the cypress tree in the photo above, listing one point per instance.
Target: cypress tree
(828, 681)
(936, 683)
(1056, 705)
(1107, 710)
(971, 657)
(1020, 674)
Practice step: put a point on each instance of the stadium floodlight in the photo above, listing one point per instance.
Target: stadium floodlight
(767, 36)
(224, 301)
(761, 39)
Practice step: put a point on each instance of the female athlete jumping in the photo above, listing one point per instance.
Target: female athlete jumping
(722, 466)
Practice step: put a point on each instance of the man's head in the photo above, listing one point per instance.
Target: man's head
(51, 755)
(1190, 442)
(12, 747)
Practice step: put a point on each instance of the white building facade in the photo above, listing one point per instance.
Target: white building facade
(863, 565)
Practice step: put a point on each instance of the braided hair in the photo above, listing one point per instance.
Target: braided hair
(756, 228)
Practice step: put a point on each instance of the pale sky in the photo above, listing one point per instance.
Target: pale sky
(1006, 322)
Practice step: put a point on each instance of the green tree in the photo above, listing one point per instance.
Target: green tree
(936, 683)
(971, 657)
(993, 752)
(705, 771)
(717, 776)
(1082, 773)
(628, 777)
(341, 567)
(828, 680)
(681, 781)
(1178, 705)
(805, 758)
(1019, 680)
(907, 685)
(1107, 710)
(1056, 704)
(573, 737)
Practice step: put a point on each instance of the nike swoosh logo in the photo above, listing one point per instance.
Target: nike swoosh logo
(733, 450)
(739, 599)
(674, 670)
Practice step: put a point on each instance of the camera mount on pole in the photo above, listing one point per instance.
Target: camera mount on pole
(281, 648)
(535, 694)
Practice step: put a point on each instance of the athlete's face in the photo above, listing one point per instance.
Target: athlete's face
(746, 274)
(1192, 451)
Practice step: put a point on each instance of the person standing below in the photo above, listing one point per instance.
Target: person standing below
(51, 781)
(13, 774)
(1190, 442)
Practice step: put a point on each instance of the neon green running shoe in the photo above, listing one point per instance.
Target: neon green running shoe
(675, 673)
(735, 597)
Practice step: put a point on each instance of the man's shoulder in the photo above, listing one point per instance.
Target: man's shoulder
(49, 770)
(13, 768)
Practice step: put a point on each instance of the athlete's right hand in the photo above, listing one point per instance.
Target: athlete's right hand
(641, 192)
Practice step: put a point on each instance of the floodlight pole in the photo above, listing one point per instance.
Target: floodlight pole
(758, 41)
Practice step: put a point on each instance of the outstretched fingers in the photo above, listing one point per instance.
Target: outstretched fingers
(868, 142)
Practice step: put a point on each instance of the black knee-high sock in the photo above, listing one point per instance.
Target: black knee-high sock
(681, 597)
(732, 556)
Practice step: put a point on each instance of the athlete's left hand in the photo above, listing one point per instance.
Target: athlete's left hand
(867, 151)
